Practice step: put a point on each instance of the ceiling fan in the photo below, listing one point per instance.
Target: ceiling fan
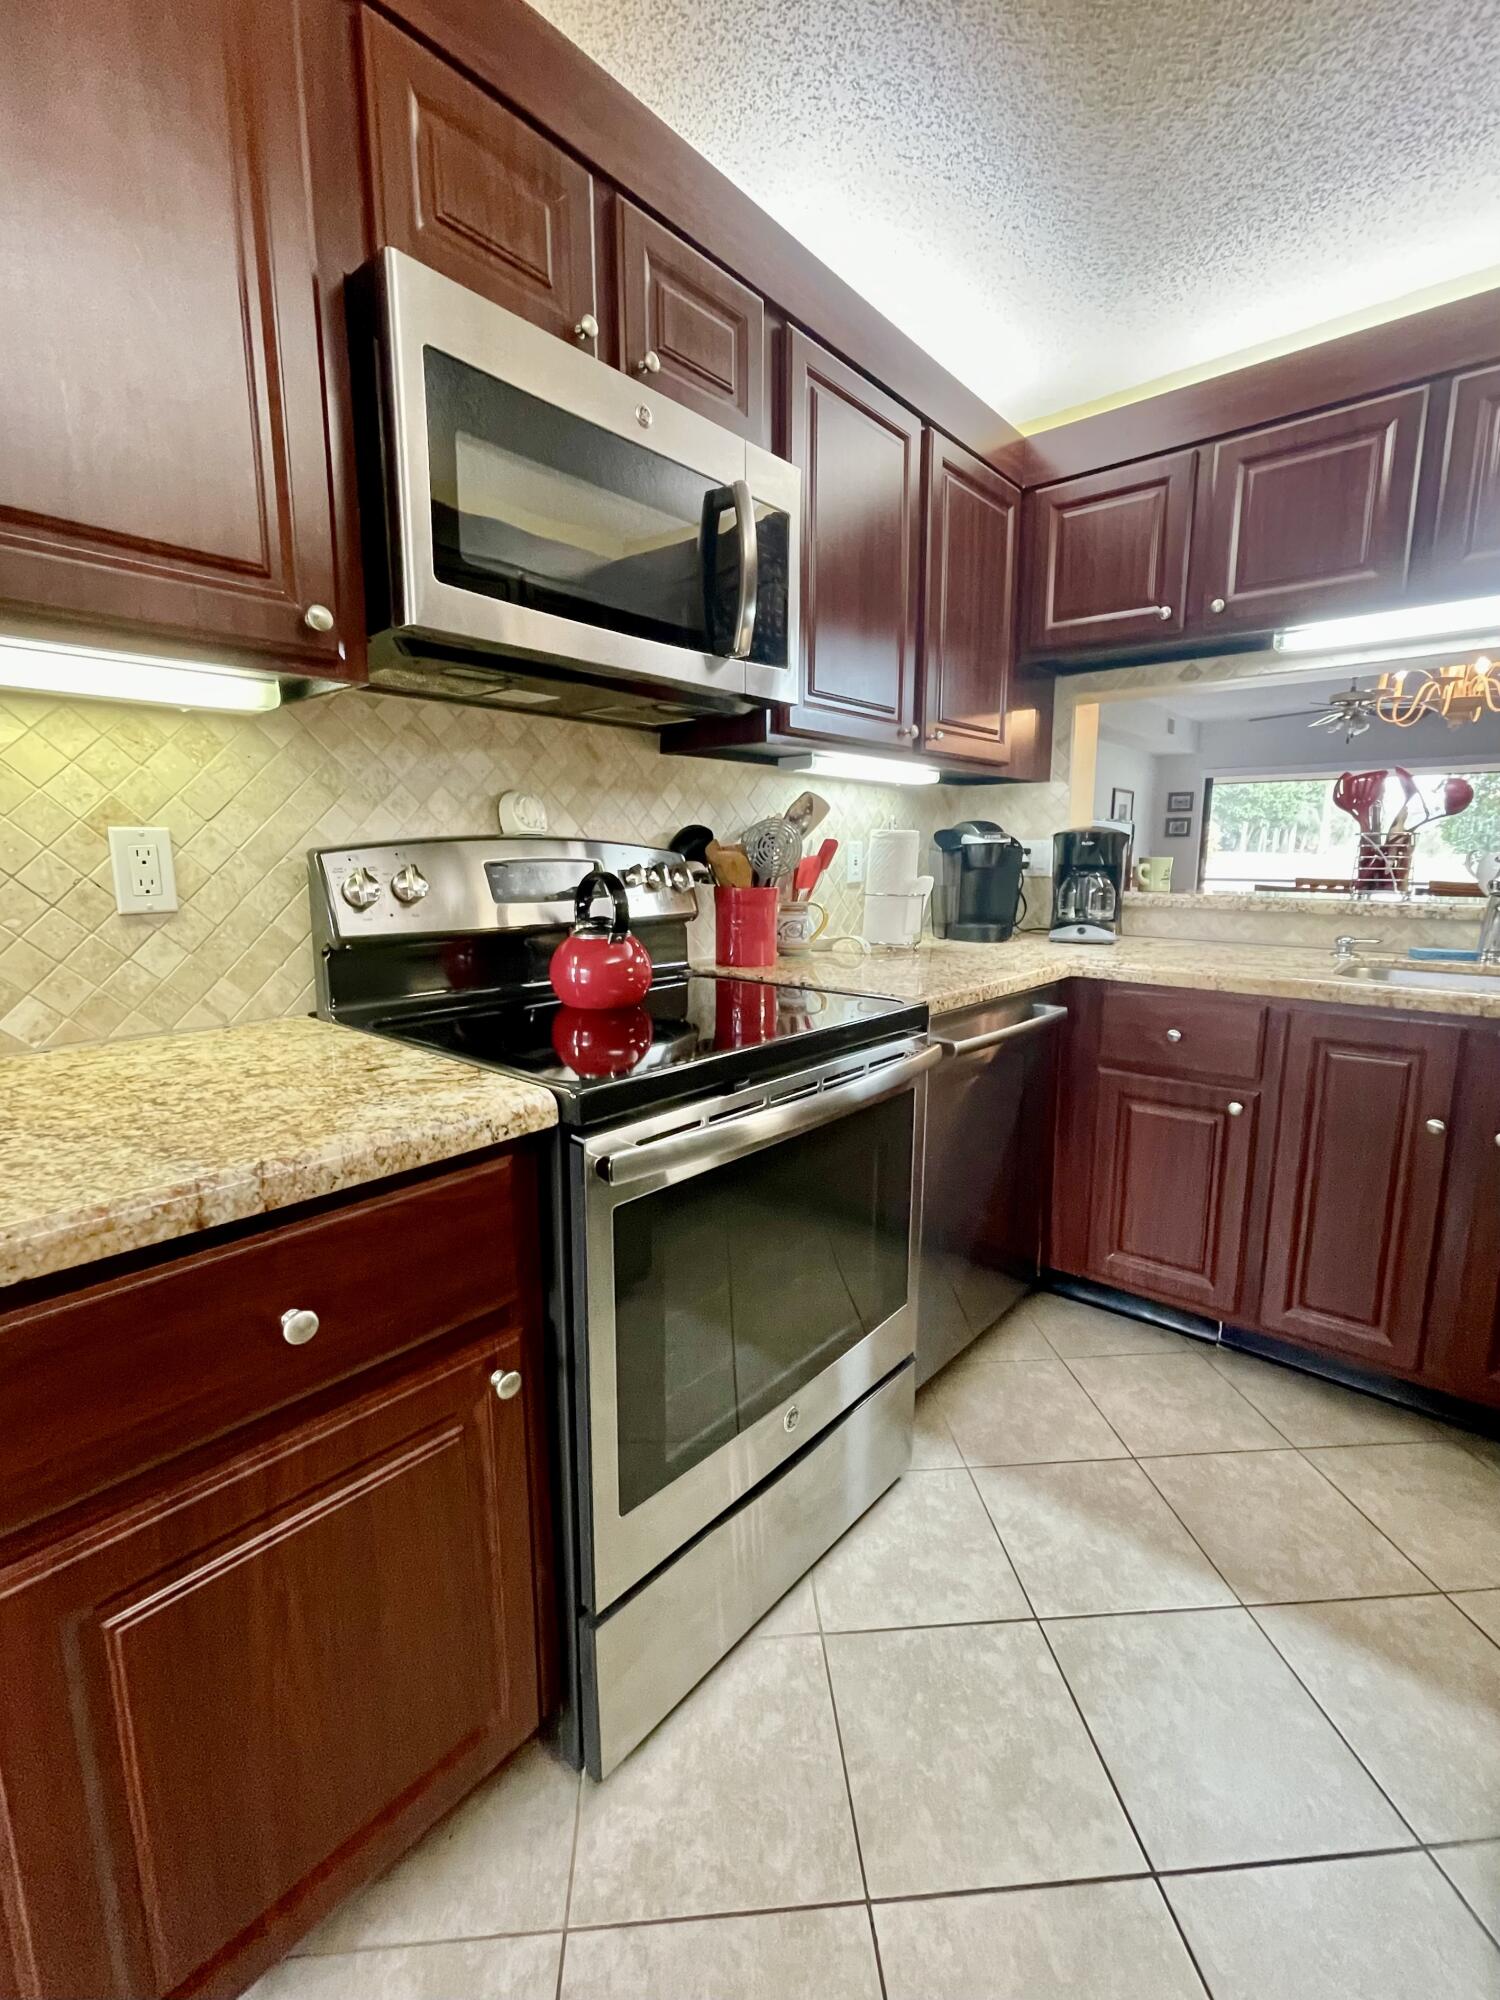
(1353, 711)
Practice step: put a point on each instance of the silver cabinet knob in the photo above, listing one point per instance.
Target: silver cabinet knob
(409, 884)
(1234, 1107)
(1164, 611)
(1174, 1034)
(506, 1383)
(318, 618)
(298, 1326)
(586, 329)
(907, 729)
(1436, 1127)
(937, 735)
(649, 363)
(1216, 604)
(359, 889)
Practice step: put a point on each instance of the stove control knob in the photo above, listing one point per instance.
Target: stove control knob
(359, 889)
(680, 878)
(656, 878)
(409, 884)
(633, 876)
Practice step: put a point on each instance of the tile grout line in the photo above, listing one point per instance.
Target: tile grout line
(838, 1734)
(1453, 1598)
(1302, 1452)
(562, 1949)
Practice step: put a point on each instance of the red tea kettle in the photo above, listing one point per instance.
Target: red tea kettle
(600, 964)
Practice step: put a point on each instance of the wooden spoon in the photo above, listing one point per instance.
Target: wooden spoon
(731, 865)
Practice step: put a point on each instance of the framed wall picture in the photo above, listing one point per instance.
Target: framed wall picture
(1180, 802)
(1122, 803)
(1179, 829)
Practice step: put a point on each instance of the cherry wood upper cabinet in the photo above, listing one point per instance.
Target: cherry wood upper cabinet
(687, 328)
(860, 453)
(1357, 1175)
(969, 616)
(230, 1700)
(1308, 519)
(1107, 556)
(1464, 559)
(470, 189)
(1171, 1186)
(165, 464)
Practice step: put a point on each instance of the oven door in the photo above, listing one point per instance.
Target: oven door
(747, 1279)
(545, 506)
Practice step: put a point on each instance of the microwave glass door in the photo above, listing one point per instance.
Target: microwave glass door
(733, 1290)
(538, 507)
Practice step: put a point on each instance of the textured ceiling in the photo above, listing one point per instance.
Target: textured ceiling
(1063, 201)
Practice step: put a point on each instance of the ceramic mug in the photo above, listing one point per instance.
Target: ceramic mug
(797, 925)
(1153, 874)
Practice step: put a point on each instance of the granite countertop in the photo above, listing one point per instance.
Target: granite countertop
(954, 976)
(125, 1144)
(1287, 902)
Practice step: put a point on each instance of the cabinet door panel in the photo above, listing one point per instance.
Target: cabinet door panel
(218, 1696)
(1462, 1355)
(1308, 518)
(860, 455)
(1170, 1188)
(1465, 555)
(165, 461)
(705, 328)
(1107, 555)
(472, 190)
(1356, 1184)
(968, 629)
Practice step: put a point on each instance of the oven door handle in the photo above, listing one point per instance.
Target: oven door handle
(1043, 1015)
(730, 1138)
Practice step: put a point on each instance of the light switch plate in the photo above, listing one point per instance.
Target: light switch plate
(145, 881)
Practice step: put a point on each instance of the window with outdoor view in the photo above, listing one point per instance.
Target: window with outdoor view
(1279, 832)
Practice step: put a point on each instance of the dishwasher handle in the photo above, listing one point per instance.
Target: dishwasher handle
(1042, 1015)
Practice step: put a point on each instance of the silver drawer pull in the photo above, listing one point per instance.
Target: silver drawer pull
(507, 1383)
(1436, 1127)
(1174, 1034)
(298, 1326)
(1235, 1107)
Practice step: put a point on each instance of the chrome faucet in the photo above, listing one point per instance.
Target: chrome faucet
(1346, 948)
(1489, 928)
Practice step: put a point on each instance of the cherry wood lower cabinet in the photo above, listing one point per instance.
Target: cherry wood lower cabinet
(1463, 1346)
(1172, 1172)
(1357, 1182)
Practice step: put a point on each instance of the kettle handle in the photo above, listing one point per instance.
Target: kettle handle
(596, 881)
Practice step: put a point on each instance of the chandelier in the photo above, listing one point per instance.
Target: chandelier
(1459, 693)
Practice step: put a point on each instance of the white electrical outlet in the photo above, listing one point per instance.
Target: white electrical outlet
(854, 861)
(145, 883)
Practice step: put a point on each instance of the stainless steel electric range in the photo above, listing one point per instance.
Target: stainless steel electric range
(732, 1255)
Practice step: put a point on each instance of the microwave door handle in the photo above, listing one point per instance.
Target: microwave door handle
(744, 615)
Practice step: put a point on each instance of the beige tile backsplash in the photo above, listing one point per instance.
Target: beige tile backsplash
(245, 797)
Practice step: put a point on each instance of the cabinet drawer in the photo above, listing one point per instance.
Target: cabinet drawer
(131, 1372)
(1183, 1034)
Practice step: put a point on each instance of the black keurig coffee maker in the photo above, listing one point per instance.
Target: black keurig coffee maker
(979, 894)
(1088, 882)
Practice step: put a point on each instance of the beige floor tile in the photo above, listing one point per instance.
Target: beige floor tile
(1278, 1531)
(1076, 1330)
(499, 1863)
(1021, 1413)
(1475, 1872)
(1438, 1504)
(1096, 1537)
(925, 1554)
(1483, 1606)
(1015, 1337)
(1414, 1689)
(736, 1802)
(795, 1615)
(1089, 1941)
(969, 1766)
(1219, 1755)
(1383, 1927)
(1309, 1411)
(1173, 1403)
(772, 1957)
(518, 1968)
(1485, 1449)
(932, 1445)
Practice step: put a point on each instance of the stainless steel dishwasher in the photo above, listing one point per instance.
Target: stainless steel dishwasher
(987, 1169)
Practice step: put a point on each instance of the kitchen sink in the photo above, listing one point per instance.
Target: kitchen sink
(1429, 978)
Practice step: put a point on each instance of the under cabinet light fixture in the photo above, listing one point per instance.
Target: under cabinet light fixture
(1404, 634)
(93, 673)
(868, 770)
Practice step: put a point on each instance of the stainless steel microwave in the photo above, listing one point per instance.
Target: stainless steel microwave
(559, 538)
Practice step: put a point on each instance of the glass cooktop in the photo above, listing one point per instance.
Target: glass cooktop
(696, 1033)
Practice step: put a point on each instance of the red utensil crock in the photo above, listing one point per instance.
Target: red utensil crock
(600, 964)
(745, 926)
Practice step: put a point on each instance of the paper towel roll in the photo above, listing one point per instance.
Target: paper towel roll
(892, 860)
